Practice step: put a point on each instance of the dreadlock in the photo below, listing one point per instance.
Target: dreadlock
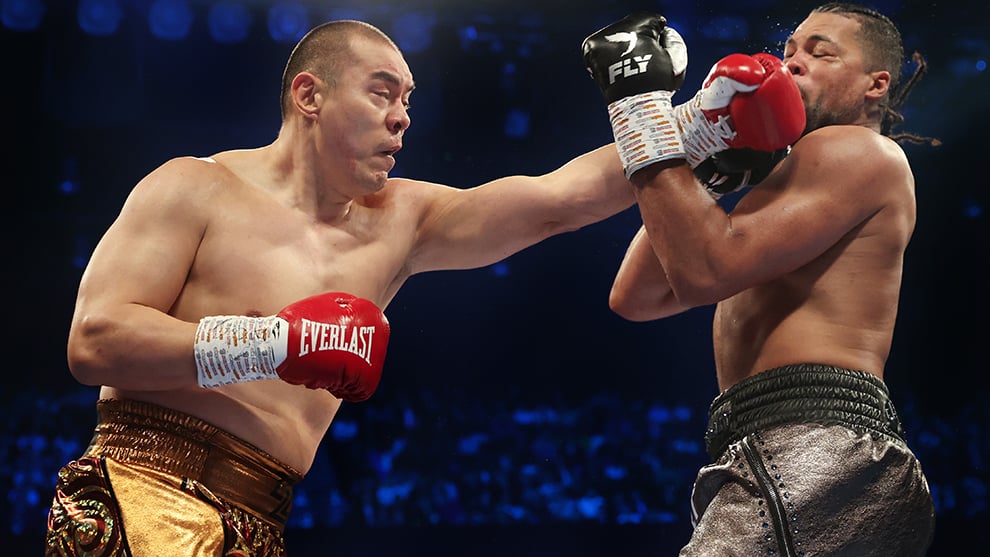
(892, 117)
(885, 52)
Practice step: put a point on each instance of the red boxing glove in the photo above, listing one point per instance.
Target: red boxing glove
(746, 102)
(333, 341)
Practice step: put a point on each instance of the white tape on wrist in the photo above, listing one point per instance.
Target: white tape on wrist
(702, 137)
(645, 130)
(238, 349)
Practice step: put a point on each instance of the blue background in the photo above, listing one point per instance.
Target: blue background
(517, 413)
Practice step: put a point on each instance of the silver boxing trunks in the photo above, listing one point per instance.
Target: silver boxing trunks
(809, 460)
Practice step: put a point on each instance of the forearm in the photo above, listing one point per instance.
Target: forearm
(641, 291)
(593, 187)
(687, 228)
(132, 347)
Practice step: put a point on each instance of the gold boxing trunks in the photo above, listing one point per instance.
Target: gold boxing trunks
(155, 481)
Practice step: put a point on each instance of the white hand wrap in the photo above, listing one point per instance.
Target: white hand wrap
(702, 137)
(645, 131)
(237, 349)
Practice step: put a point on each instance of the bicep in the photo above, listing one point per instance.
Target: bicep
(800, 211)
(145, 255)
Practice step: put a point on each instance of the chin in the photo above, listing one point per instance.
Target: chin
(378, 181)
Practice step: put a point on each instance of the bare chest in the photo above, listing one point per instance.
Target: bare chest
(839, 311)
(262, 264)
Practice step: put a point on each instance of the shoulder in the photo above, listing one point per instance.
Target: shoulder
(180, 188)
(854, 150)
(413, 194)
(185, 173)
(850, 159)
(853, 170)
(189, 166)
(408, 186)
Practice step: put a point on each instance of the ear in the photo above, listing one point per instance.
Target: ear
(879, 86)
(306, 94)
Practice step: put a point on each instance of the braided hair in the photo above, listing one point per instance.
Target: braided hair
(885, 51)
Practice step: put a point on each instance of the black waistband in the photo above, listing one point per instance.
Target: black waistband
(801, 393)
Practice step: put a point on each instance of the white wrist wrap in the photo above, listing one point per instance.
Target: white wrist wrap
(702, 137)
(645, 131)
(237, 349)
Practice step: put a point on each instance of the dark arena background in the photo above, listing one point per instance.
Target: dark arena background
(517, 415)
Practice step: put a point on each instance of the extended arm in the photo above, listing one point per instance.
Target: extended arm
(482, 225)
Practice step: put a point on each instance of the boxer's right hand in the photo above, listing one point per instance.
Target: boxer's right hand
(638, 63)
(745, 102)
(333, 341)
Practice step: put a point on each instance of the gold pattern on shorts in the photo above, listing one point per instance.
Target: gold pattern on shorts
(247, 535)
(84, 518)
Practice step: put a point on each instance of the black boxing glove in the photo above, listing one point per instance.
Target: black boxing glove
(733, 169)
(638, 63)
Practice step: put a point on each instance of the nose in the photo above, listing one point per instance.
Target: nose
(398, 120)
(795, 66)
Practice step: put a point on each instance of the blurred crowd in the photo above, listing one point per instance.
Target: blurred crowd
(450, 458)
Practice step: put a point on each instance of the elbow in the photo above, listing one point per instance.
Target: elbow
(634, 308)
(83, 355)
(620, 305)
(84, 363)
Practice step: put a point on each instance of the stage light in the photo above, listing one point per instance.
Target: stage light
(287, 22)
(170, 19)
(966, 67)
(99, 18)
(517, 123)
(509, 81)
(972, 209)
(413, 32)
(22, 15)
(70, 177)
(229, 22)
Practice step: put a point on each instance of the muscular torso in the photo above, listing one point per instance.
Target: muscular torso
(257, 256)
(839, 309)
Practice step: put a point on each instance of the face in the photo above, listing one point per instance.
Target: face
(366, 114)
(827, 62)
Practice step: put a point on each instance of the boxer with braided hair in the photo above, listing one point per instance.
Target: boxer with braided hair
(882, 46)
(808, 454)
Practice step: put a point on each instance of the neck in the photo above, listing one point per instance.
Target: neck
(302, 179)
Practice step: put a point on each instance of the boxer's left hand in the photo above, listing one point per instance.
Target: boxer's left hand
(638, 63)
(732, 170)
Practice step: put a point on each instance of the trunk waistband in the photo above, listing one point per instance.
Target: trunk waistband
(802, 393)
(169, 441)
